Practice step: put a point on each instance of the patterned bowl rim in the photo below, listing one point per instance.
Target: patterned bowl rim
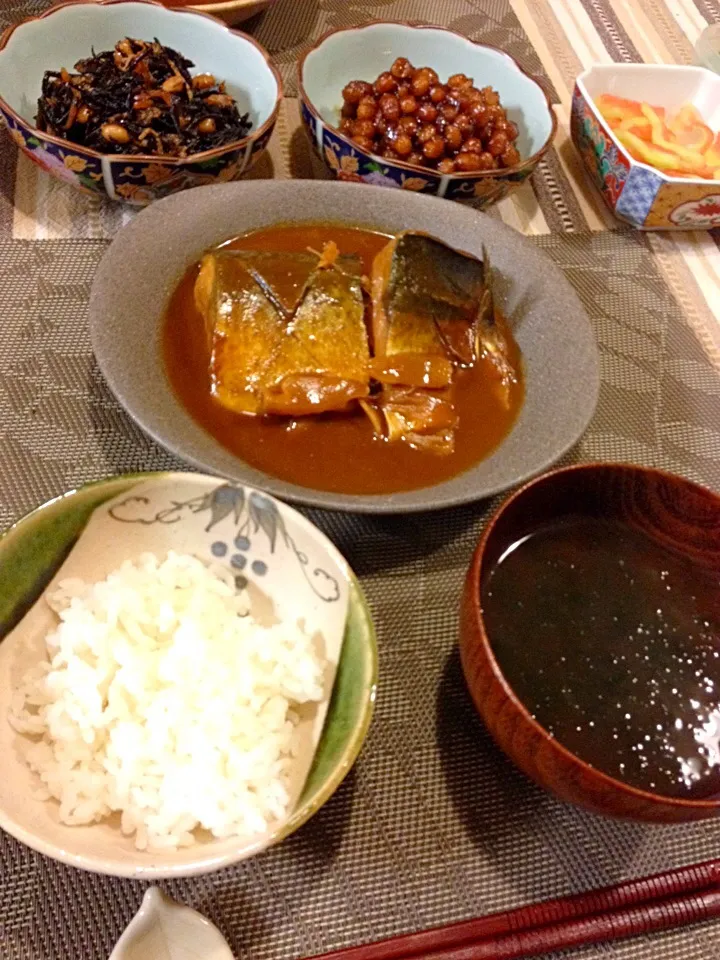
(142, 157)
(528, 163)
(580, 84)
(208, 861)
(475, 578)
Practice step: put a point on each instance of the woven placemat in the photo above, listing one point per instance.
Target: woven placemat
(433, 824)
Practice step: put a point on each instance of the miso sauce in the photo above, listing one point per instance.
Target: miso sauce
(612, 642)
(336, 452)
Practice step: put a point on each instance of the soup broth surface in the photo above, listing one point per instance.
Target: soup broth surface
(612, 642)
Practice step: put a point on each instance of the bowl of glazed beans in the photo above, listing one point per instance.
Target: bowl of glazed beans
(423, 108)
(409, 114)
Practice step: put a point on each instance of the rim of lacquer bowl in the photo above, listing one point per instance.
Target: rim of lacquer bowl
(474, 584)
(144, 157)
(529, 162)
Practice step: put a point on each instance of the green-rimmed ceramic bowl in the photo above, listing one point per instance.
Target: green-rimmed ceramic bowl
(281, 555)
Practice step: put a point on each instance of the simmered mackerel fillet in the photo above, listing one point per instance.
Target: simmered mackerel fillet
(286, 331)
(287, 334)
(427, 299)
(432, 311)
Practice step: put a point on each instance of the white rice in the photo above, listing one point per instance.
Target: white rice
(163, 699)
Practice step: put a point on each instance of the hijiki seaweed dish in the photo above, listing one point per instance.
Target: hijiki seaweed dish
(139, 99)
(343, 359)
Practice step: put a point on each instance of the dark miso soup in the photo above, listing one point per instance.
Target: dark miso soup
(612, 642)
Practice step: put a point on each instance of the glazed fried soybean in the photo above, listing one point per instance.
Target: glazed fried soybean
(408, 114)
(612, 642)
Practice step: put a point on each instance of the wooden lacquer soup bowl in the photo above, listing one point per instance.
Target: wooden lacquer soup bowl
(676, 514)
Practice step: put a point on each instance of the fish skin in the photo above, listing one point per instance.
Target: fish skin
(429, 281)
(490, 341)
(327, 340)
(425, 267)
(286, 336)
(244, 330)
(429, 301)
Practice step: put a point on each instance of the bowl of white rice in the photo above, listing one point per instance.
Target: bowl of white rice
(187, 672)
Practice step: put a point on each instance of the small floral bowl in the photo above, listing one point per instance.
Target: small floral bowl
(67, 33)
(636, 193)
(361, 53)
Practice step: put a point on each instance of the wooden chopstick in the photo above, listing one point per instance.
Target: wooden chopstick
(572, 916)
(615, 925)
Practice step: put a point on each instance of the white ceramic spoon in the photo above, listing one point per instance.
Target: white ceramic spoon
(165, 930)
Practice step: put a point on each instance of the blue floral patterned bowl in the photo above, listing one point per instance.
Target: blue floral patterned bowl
(66, 33)
(636, 193)
(361, 53)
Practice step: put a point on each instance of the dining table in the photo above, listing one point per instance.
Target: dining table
(433, 824)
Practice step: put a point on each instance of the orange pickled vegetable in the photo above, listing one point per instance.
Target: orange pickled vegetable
(662, 137)
(640, 126)
(690, 130)
(680, 144)
(698, 138)
(652, 153)
(617, 108)
(688, 115)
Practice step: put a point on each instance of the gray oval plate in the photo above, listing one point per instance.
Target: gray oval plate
(148, 257)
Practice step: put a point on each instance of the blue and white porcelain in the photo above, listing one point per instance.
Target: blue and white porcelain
(361, 53)
(67, 33)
